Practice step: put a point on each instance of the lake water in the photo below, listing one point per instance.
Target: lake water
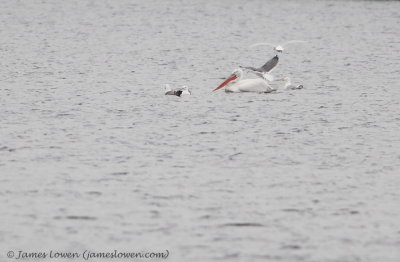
(94, 156)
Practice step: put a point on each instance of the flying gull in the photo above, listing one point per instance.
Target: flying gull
(280, 47)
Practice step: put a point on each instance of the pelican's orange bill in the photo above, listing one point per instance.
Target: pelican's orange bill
(231, 78)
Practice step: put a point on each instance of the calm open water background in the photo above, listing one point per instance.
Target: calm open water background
(94, 156)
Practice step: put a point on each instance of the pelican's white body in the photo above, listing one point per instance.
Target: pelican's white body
(235, 84)
(258, 85)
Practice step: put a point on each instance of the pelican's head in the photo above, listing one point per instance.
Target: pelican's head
(236, 74)
(279, 48)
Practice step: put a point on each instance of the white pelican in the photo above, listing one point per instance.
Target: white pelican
(267, 67)
(235, 84)
(182, 91)
(279, 48)
(288, 84)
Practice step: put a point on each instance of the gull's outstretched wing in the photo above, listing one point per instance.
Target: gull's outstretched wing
(250, 68)
(267, 67)
(270, 64)
(293, 41)
(259, 44)
(268, 76)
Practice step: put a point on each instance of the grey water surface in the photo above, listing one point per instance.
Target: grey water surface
(94, 156)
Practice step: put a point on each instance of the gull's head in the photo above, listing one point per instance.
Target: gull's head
(236, 74)
(185, 87)
(279, 48)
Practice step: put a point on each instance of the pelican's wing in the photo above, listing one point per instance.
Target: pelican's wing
(258, 44)
(270, 64)
(293, 41)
